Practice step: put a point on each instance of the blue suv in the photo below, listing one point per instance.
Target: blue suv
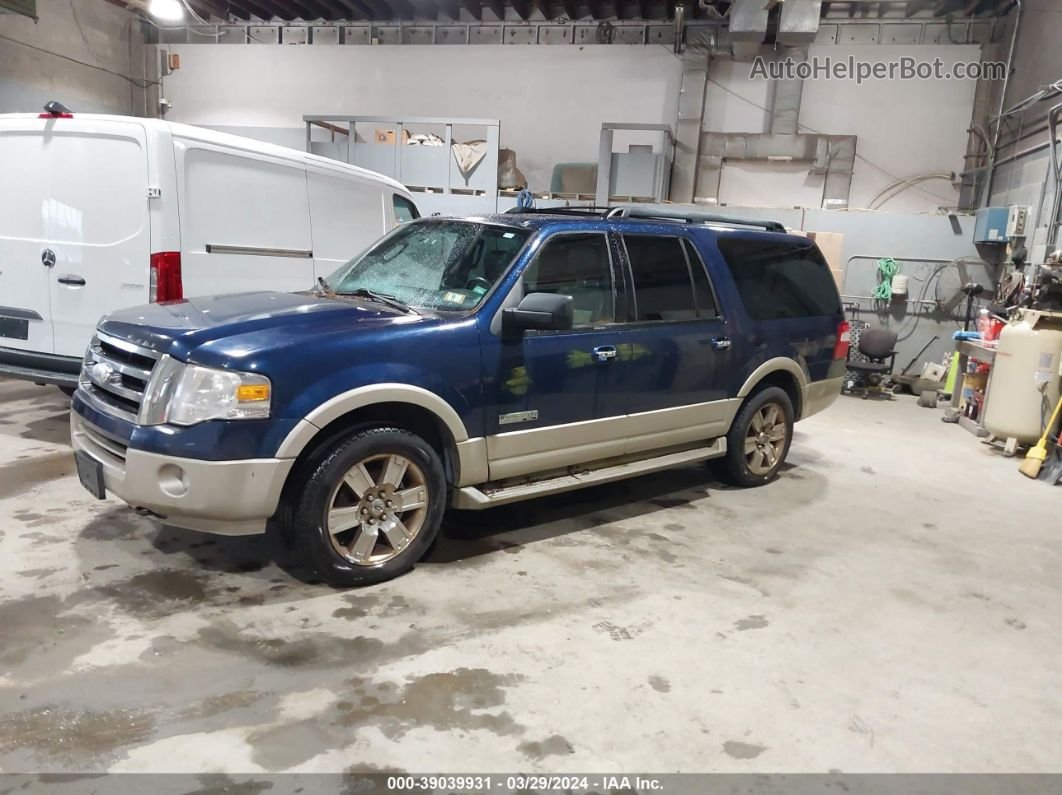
(464, 362)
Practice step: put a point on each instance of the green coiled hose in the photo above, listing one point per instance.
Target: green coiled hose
(887, 268)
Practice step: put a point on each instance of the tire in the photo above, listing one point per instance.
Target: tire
(68, 390)
(748, 469)
(350, 485)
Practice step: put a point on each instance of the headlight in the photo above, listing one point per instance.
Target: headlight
(185, 394)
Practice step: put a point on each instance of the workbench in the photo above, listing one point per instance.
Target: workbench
(978, 351)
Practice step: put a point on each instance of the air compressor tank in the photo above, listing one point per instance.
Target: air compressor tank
(1025, 376)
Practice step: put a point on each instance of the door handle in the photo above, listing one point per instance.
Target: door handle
(604, 353)
(721, 343)
(72, 279)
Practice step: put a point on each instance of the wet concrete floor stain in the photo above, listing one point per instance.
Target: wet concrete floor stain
(21, 476)
(74, 734)
(446, 701)
(740, 750)
(42, 626)
(554, 745)
(659, 684)
(752, 622)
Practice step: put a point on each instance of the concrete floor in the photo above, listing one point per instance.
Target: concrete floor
(890, 604)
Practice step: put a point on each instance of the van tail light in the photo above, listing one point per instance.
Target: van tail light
(55, 115)
(844, 339)
(166, 276)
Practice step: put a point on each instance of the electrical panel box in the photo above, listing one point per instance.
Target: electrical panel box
(1017, 219)
(990, 225)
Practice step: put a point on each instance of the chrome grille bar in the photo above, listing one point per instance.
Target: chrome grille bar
(115, 374)
(128, 347)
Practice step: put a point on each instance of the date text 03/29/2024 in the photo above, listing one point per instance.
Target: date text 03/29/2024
(519, 783)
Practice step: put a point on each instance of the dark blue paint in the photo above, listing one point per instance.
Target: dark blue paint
(314, 348)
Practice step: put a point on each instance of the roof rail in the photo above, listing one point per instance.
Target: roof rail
(687, 217)
(597, 212)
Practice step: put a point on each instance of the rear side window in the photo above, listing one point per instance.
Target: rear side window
(405, 210)
(668, 284)
(778, 279)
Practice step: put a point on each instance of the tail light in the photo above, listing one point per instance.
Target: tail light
(166, 276)
(844, 339)
(55, 115)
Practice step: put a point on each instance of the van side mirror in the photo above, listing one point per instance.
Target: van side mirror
(540, 311)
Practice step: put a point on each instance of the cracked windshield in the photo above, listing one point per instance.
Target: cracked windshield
(447, 265)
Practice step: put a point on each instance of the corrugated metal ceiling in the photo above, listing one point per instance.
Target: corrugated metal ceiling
(355, 10)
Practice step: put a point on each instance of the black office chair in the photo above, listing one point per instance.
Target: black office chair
(868, 374)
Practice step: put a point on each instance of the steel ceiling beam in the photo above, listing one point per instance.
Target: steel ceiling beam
(355, 10)
(264, 10)
(450, 8)
(381, 10)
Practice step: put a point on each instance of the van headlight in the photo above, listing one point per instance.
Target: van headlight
(185, 394)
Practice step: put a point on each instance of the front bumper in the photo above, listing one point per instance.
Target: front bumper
(40, 368)
(223, 497)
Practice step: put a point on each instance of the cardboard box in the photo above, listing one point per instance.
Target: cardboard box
(388, 136)
(975, 381)
(934, 372)
(831, 244)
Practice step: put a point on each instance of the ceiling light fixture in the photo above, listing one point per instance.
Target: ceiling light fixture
(166, 10)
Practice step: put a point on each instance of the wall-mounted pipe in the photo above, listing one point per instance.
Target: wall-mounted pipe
(998, 132)
(832, 155)
(680, 26)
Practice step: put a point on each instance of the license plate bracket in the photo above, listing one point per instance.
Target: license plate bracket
(90, 473)
(14, 328)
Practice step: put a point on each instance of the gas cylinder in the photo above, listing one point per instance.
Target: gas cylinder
(1025, 376)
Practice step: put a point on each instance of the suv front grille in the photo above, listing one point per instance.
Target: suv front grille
(115, 374)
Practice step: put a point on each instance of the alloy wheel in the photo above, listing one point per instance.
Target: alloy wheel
(377, 509)
(765, 438)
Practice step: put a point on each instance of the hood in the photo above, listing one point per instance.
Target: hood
(179, 327)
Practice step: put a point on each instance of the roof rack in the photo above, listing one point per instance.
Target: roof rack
(599, 212)
(650, 213)
(684, 216)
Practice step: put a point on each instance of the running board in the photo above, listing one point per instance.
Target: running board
(472, 498)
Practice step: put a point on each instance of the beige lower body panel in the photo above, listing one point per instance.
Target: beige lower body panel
(653, 430)
(820, 395)
(542, 449)
(223, 497)
(612, 448)
(478, 498)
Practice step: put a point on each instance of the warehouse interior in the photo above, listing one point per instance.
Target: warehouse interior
(883, 603)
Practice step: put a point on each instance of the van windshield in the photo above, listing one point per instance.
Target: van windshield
(433, 264)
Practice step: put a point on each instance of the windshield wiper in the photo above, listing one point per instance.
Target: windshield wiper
(381, 298)
(324, 288)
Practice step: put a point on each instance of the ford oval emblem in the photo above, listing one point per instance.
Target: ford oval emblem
(103, 373)
(48, 258)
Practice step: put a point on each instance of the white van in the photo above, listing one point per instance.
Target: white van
(98, 213)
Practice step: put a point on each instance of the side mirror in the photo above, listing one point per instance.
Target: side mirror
(541, 311)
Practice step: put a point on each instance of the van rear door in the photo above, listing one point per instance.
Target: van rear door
(25, 306)
(74, 235)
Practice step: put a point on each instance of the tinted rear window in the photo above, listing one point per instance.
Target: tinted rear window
(778, 279)
(662, 286)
